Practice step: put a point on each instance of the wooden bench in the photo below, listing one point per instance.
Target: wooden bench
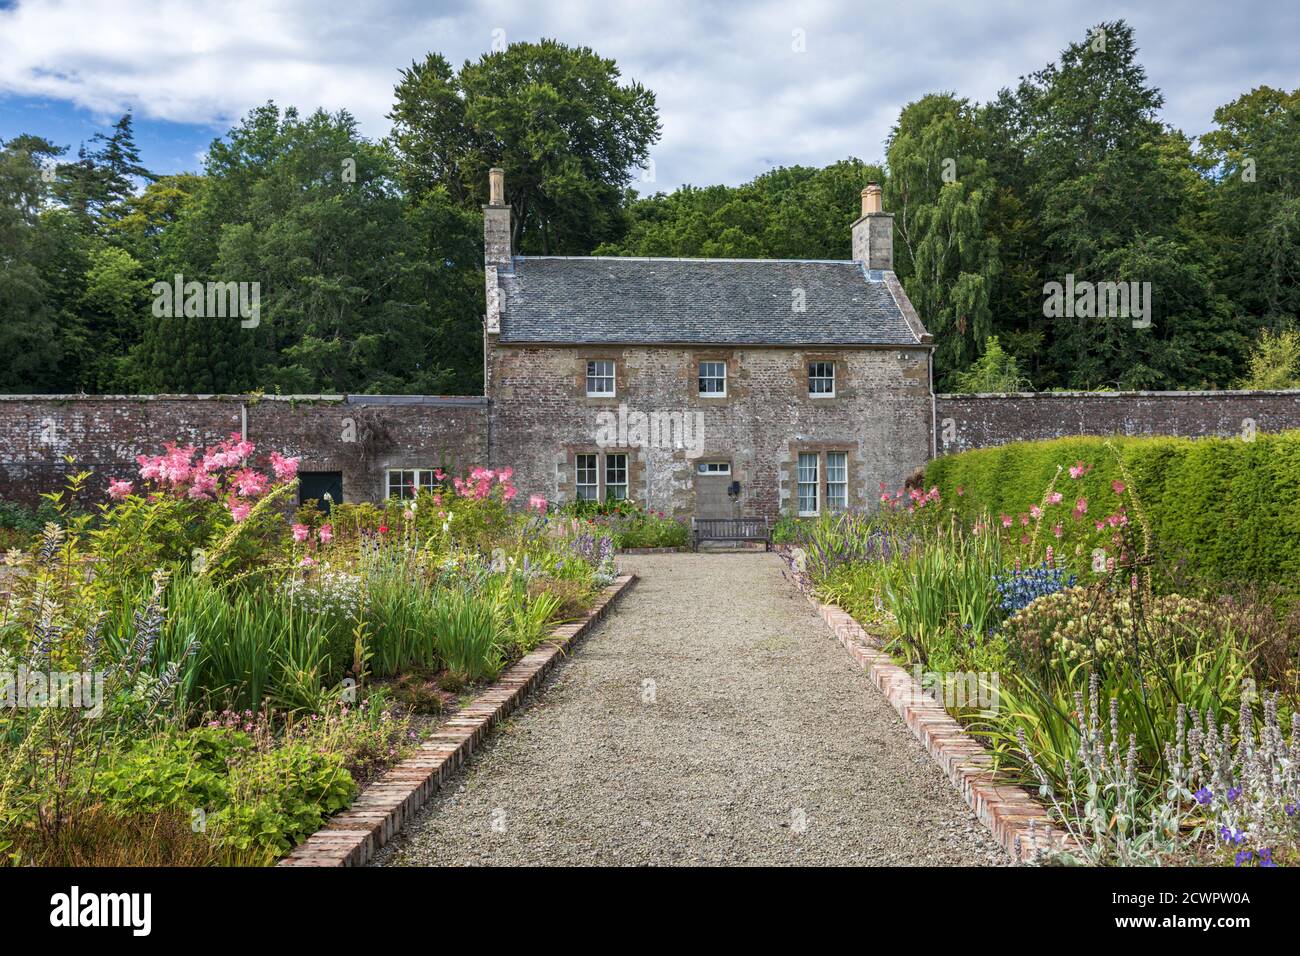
(735, 530)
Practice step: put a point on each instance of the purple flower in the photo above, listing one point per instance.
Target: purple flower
(1232, 835)
(1266, 857)
(1203, 796)
(1233, 793)
(1243, 857)
(1290, 809)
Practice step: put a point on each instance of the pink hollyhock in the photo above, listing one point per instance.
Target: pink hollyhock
(239, 510)
(439, 474)
(301, 532)
(326, 534)
(118, 490)
(1117, 486)
(537, 503)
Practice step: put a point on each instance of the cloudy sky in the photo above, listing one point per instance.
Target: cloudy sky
(741, 86)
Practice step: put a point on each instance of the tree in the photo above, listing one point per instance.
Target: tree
(1254, 221)
(554, 117)
(1275, 361)
(358, 291)
(795, 212)
(939, 190)
(994, 371)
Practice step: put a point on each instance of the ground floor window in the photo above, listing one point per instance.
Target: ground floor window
(823, 480)
(615, 477)
(837, 480)
(809, 486)
(600, 476)
(406, 483)
(587, 478)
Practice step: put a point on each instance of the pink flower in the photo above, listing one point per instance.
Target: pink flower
(537, 503)
(1079, 469)
(307, 562)
(1081, 507)
(239, 510)
(1036, 511)
(1054, 498)
(1006, 521)
(118, 490)
(1058, 530)
(301, 533)
(439, 474)
(326, 533)
(383, 529)
(960, 491)
(1117, 486)
(285, 468)
(250, 483)
(1024, 520)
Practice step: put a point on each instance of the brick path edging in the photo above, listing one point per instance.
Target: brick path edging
(1017, 821)
(351, 837)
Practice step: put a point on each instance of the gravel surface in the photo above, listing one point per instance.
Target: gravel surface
(711, 719)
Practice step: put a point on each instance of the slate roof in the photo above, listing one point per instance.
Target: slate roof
(638, 301)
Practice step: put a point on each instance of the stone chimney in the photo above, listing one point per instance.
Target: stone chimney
(496, 246)
(496, 221)
(873, 233)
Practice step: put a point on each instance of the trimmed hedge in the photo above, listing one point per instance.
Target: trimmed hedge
(1229, 508)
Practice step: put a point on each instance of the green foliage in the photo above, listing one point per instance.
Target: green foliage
(994, 371)
(1274, 362)
(787, 213)
(554, 117)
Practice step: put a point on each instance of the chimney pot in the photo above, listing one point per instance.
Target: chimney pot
(871, 199)
(496, 186)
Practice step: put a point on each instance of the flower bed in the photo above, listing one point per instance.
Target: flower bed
(1154, 712)
(631, 526)
(246, 668)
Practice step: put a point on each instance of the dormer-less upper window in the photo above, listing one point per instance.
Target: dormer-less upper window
(600, 378)
(713, 379)
(821, 379)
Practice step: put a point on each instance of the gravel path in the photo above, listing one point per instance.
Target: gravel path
(711, 719)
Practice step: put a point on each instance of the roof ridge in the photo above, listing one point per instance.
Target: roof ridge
(833, 262)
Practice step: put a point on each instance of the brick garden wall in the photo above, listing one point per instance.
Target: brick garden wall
(963, 422)
(360, 436)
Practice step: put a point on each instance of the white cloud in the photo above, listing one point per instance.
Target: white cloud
(732, 92)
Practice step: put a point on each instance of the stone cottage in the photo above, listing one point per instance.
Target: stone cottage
(706, 387)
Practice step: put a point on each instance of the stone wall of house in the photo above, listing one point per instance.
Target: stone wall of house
(359, 436)
(963, 422)
(542, 418)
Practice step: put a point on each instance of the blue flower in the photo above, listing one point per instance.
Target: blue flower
(1233, 794)
(1266, 857)
(1232, 835)
(1243, 857)
(1203, 796)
